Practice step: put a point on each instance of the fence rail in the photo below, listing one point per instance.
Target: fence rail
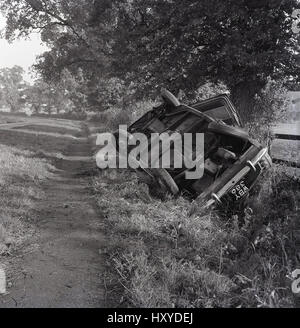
(285, 148)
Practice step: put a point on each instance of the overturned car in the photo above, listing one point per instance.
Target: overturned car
(232, 161)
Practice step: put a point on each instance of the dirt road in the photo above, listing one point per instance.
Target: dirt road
(63, 267)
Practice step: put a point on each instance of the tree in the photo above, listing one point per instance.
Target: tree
(79, 36)
(42, 96)
(150, 43)
(12, 87)
(63, 96)
(35, 96)
(241, 43)
(68, 27)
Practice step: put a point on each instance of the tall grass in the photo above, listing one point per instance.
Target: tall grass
(116, 116)
(163, 257)
(20, 178)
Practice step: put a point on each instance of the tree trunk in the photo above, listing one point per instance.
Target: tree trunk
(49, 110)
(36, 108)
(13, 108)
(243, 97)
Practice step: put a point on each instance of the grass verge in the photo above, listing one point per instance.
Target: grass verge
(20, 188)
(162, 257)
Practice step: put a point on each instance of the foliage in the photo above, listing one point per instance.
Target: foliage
(205, 91)
(78, 37)
(12, 88)
(41, 97)
(184, 44)
(64, 96)
(271, 107)
(115, 116)
(147, 44)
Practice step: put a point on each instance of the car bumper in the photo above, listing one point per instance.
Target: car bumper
(256, 166)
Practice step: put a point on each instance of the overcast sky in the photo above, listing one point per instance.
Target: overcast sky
(20, 52)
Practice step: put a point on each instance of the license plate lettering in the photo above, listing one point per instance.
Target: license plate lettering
(240, 190)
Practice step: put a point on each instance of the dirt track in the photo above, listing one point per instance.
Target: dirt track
(63, 268)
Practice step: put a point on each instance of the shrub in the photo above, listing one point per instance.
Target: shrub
(99, 117)
(121, 118)
(270, 108)
(115, 116)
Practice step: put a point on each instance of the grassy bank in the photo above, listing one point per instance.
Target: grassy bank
(163, 257)
(20, 180)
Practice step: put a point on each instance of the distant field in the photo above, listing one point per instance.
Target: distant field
(41, 135)
(286, 150)
(287, 128)
(51, 129)
(32, 142)
(7, 120)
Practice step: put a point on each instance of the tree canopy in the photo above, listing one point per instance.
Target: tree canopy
(182, 44)
(146, 44)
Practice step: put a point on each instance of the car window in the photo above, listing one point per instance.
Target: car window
(219, 109)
